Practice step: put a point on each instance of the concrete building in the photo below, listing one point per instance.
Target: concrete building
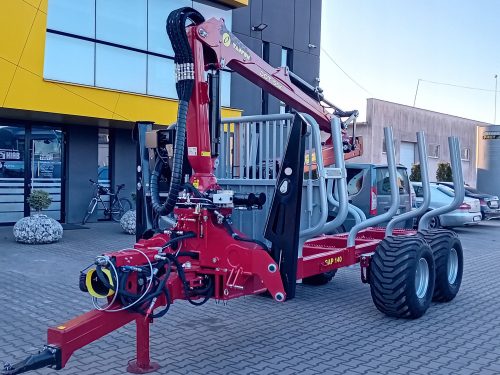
(406, 121)
(290, 37)
(76, 75)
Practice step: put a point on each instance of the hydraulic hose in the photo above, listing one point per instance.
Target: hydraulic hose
(184, 69)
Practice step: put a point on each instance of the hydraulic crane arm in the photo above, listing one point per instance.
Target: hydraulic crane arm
(230, 52)
(214, 47)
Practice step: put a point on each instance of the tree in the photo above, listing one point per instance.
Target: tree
(39, 200)
(443, 173)
(416, 173)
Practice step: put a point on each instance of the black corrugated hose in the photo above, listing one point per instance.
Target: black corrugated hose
(184, 70)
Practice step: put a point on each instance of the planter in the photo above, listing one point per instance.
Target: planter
(127, 222)
(37, 229)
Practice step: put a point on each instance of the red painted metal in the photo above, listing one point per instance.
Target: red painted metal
(197, 129)
(142, 364)
(85, 329)
(236, 268)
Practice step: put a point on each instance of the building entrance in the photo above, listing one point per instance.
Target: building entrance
(31, 157)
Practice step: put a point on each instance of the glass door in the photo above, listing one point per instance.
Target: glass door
(46, 166)
(12, 173)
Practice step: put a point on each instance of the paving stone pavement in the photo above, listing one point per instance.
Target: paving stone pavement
(332, 329)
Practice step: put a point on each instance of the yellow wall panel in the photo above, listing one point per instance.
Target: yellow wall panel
(35, 3)
(7, 70)
(30, 92)
(33, 54)
(16, 18)
(105, 98)
(136, 108)
(44, 4)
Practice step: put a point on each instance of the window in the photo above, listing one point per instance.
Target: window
(161, 78)
(69, 60)
(140, 60)
(286, 57)
(384, 151)
(465, 154)
(384, 185)
(75, 17)
(419, 191)
(158, 11)
(123, 22)
(127, 75)
(354, 180)
(433, 151)
(286, 60)
(103, 156)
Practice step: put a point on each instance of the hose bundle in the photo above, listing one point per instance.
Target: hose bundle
(184, 78)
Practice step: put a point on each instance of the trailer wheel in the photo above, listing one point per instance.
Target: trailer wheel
(402, 276)
(321, 279)
(449, 260)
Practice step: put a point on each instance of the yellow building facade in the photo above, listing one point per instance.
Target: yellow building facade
(55, 135)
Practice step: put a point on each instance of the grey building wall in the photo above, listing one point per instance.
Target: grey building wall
(123, 155)
(488, 157)
(406, 121)
(292, 24)
(81, 164)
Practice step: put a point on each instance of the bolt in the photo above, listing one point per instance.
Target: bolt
(215, 259)
(279, 297)
(202, 32)
(271, 268)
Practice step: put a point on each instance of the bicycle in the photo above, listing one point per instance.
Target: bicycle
(117, 206)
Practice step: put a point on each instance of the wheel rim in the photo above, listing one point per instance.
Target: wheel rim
(433, 223)
(452, 266)
(422, 278)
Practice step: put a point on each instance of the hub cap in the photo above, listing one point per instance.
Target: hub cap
(422, 278)
(452, 266)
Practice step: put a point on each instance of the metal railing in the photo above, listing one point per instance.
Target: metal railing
(251, 147)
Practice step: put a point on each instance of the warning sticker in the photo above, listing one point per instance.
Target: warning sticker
(192, 151)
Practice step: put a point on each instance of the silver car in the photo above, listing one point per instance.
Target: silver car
(468, 213)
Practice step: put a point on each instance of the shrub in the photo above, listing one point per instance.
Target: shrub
(39, 200)
(443, 172)
(415, 173)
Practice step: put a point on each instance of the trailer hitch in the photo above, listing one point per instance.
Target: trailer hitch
(48, 356)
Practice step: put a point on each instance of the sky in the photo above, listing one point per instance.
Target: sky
(386, 46)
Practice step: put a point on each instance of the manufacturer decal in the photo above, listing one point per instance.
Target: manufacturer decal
(332, 261)
(192, 151)
(491, 135)
(226, 39)
(271, 80)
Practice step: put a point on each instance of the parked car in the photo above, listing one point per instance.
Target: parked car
(490, 205)
(369, 189)
(468, 213)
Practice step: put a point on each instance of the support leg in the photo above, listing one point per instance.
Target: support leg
(142, 364)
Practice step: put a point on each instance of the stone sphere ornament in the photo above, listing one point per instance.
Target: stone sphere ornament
(127, 222)
(37, 229)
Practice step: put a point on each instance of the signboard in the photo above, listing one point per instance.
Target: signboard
(491, 135)
(10, 155)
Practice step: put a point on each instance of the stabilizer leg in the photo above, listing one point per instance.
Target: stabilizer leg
(283, 222)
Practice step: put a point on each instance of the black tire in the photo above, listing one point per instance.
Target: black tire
(321, 279)
(90, 210)
(393, 276)
(119, 208)
(449, 268)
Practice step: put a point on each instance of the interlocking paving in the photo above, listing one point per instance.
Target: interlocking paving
(332, 329)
